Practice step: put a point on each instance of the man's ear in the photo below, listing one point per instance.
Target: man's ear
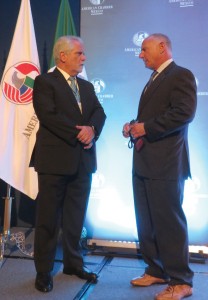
(62, 56)
(162, 47)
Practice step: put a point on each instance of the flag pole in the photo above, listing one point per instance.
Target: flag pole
(7, 222)
(7, 212)
(6, 236)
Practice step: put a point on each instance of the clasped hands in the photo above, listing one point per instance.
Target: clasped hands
(85, 136)
(134, 130)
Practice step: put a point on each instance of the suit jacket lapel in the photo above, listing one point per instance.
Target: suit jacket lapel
(66, 89)
(146, 96)
(82, 93)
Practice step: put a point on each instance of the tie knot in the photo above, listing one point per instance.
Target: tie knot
(154, 73)
(71, 78)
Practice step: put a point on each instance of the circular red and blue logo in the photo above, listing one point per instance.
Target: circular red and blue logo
(18, 81)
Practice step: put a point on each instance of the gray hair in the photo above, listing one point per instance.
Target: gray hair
(64, 44)
(163, 38)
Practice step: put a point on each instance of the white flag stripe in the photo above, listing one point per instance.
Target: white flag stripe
(18, 120)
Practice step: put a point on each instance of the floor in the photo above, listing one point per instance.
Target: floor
(115, 268)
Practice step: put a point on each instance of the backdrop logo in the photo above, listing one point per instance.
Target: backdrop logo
(139, 37)
(100, 86)
(17, 84)
(98, 8)
(97, 2)
(186, 3)
(137, 40)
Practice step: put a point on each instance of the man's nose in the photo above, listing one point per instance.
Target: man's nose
(140, 55)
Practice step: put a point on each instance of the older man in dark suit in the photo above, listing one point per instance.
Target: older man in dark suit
(160, 168)
(71, 120)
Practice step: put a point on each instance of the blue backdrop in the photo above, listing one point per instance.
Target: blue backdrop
(113, 31)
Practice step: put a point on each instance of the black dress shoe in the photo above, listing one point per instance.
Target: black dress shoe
(44, 282)
(82, 273)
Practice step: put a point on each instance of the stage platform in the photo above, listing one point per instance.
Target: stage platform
(115, 268)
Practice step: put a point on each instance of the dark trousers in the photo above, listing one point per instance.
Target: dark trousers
(66, 196)
(162, 228)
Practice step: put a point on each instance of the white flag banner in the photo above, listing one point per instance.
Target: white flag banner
(19, 122)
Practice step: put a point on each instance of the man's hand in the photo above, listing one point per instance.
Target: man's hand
(88, 146)
(126, 130)
(137, 130)
(86, 135)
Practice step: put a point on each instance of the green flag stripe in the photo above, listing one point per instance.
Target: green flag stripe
(65, 24)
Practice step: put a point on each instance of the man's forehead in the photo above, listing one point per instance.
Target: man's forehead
(148, 41)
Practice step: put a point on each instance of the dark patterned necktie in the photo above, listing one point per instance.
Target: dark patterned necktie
(152, 77)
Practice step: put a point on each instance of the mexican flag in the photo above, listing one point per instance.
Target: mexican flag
(65, 26)
(19, 122)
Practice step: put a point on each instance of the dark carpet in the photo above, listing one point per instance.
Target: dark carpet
(17, 275)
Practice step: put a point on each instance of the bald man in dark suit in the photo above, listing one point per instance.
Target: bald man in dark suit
(71, 120)
(160, 167)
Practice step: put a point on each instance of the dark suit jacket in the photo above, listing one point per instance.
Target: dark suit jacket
(166, 108)
(57, 150)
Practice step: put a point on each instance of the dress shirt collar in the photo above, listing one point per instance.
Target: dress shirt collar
(66, 75)
(164, 65)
